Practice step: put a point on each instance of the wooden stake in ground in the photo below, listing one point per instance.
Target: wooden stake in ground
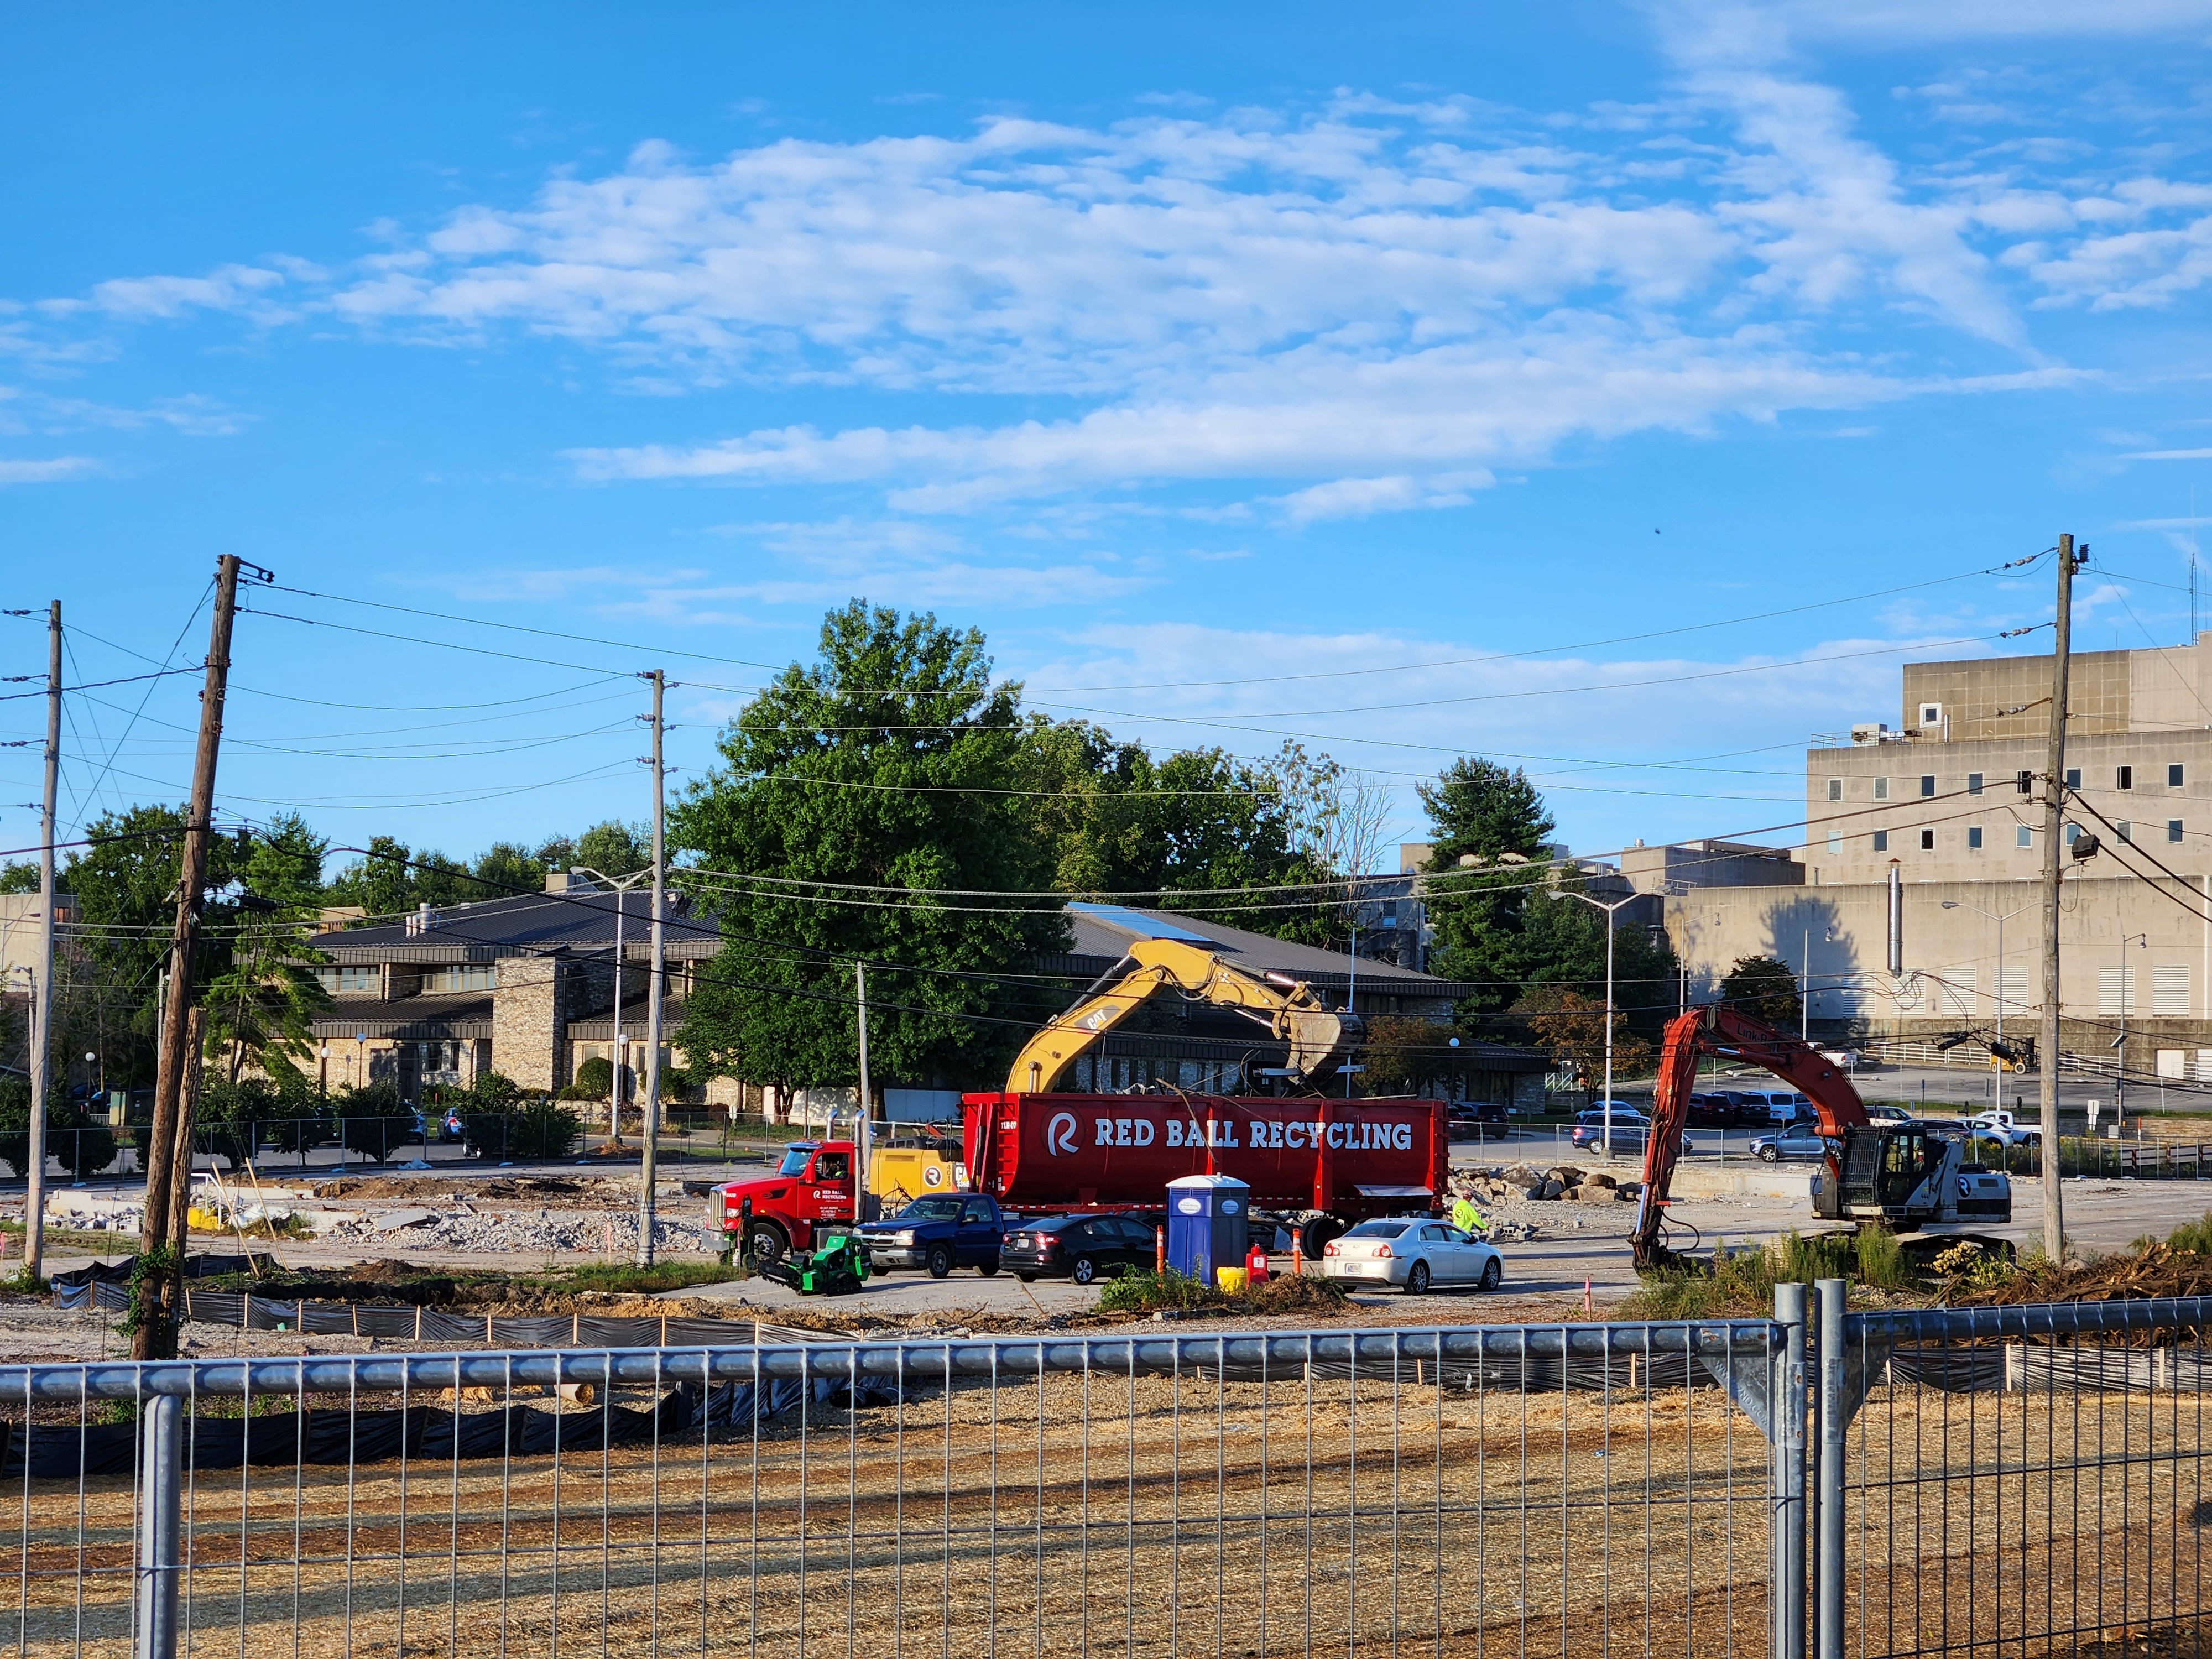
(154, 1334)
(2054, 853)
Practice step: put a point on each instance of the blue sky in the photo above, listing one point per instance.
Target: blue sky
(1411, 382)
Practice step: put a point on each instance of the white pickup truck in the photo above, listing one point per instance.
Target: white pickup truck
(2003, 1126)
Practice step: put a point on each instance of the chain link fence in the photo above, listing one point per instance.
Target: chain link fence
(2025, 1480)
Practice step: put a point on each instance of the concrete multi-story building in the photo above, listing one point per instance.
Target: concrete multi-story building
(1937, 799)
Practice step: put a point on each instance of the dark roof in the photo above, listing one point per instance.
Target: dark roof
(1103, 932)
(529, 924)
(410, 1019)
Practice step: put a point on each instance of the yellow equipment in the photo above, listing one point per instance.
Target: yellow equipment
(900, 1171)
(1319, 1040)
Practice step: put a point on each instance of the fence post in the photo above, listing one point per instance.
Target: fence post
(1789, 1454)
(161, 1525)
(1828, 1467)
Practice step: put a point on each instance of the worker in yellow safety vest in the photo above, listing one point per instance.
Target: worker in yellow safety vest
(1467, 1218)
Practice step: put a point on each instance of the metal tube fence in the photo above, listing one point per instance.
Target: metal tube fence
(2019, 1480)
(1528, 1492)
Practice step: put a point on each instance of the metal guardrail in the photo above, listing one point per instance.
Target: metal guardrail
(2013, 1480)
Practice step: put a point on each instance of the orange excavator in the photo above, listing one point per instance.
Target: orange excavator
(1916, 1182)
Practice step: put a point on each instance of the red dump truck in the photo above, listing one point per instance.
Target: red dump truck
(1326, 1163)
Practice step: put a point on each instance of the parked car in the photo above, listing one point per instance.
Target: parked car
(1711, 1110)
(1796, 1141)
(1415, 1254)
(953, 1230)
(2006, 1128)
(1083, 1248)
(1751, 1108)
(1485, 1121)
(1630, 1128)
(1889, 1114)
(1787, 1106)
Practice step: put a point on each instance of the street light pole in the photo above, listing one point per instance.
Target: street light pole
(2120, 1071)
(622, 891)
(1991, 916)
(1605, 1139)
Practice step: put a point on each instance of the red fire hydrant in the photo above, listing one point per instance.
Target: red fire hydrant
(1255, 1264)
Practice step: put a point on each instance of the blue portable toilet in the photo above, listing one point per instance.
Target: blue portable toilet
(1209, 1225)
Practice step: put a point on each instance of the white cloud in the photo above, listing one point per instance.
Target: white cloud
(57, 470)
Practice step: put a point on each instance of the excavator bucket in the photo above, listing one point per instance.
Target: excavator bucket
(1320, 1041)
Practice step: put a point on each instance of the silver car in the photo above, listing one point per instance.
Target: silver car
(1798, 1141)
(1416, 1255)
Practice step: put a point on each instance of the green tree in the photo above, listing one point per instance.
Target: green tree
(1571, 1026)
(1199, 822)
(1501, 909)
(892, 763)
(263, 1001)
(613, 848)
(503, 870)
(19, 876)
(1765, 988)
(391, 878)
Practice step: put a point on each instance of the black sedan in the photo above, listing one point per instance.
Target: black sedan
(1083, 1248)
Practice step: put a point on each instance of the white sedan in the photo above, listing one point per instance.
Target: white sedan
(1414, 1254)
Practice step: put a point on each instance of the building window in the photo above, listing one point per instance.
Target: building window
(1881, 841)
(1973, 783)
(2022, 835)
(1927, 787)
(2173, 829)
(2073, 833)
(1881, 788)
(2173, 775)
(2124, 778)
(475, 976)
(1974, 838)
(2073, 777)
(1835, 841)
(2125, 831)
(1835, 788)
(1927, 841)
(352, 981)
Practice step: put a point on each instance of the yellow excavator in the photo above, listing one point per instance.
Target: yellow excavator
(1320, 1039)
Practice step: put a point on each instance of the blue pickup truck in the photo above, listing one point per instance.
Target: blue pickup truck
(940, 1232)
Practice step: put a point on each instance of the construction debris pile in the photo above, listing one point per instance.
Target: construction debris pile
(1557, 1182)
(460, 1226)
(2155, 1270)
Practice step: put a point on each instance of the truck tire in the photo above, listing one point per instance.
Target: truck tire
(1083, 1270)
(940, 1261)
(767, 1243)
(987, 1268)
(1316, 1234)
(1417, 1280)
(1026, 1278)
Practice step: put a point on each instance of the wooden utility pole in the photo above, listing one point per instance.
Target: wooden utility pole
(188, 1102)
(42, 993)
(154, 1334)
(2054, 855)
(656, 991)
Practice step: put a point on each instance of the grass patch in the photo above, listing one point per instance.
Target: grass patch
(626, 1279)
(1742, 1282)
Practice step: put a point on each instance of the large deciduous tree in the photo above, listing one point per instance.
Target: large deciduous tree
(891, 772)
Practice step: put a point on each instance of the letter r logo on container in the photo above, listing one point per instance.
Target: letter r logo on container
(1060, 1134)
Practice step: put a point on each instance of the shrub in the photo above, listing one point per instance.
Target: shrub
(1882, 1260)
(1142, 1291)
(543, 1129)
(2195, 1235)
(232, 1120)
(373, 1123)
(83, 1146)
(594, 1080)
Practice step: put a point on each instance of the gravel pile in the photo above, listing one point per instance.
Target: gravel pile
(544, 1233)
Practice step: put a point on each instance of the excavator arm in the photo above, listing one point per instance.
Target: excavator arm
(1710, 1031)
(1319, 1039)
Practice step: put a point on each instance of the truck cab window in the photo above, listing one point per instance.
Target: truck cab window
(830, 1166)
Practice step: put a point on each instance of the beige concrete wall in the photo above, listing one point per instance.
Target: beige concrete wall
(1852, 794)
(1989, 698)
(529, 1021)
(1954, 952)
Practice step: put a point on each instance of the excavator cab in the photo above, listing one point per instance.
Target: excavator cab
(1887, 1173)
